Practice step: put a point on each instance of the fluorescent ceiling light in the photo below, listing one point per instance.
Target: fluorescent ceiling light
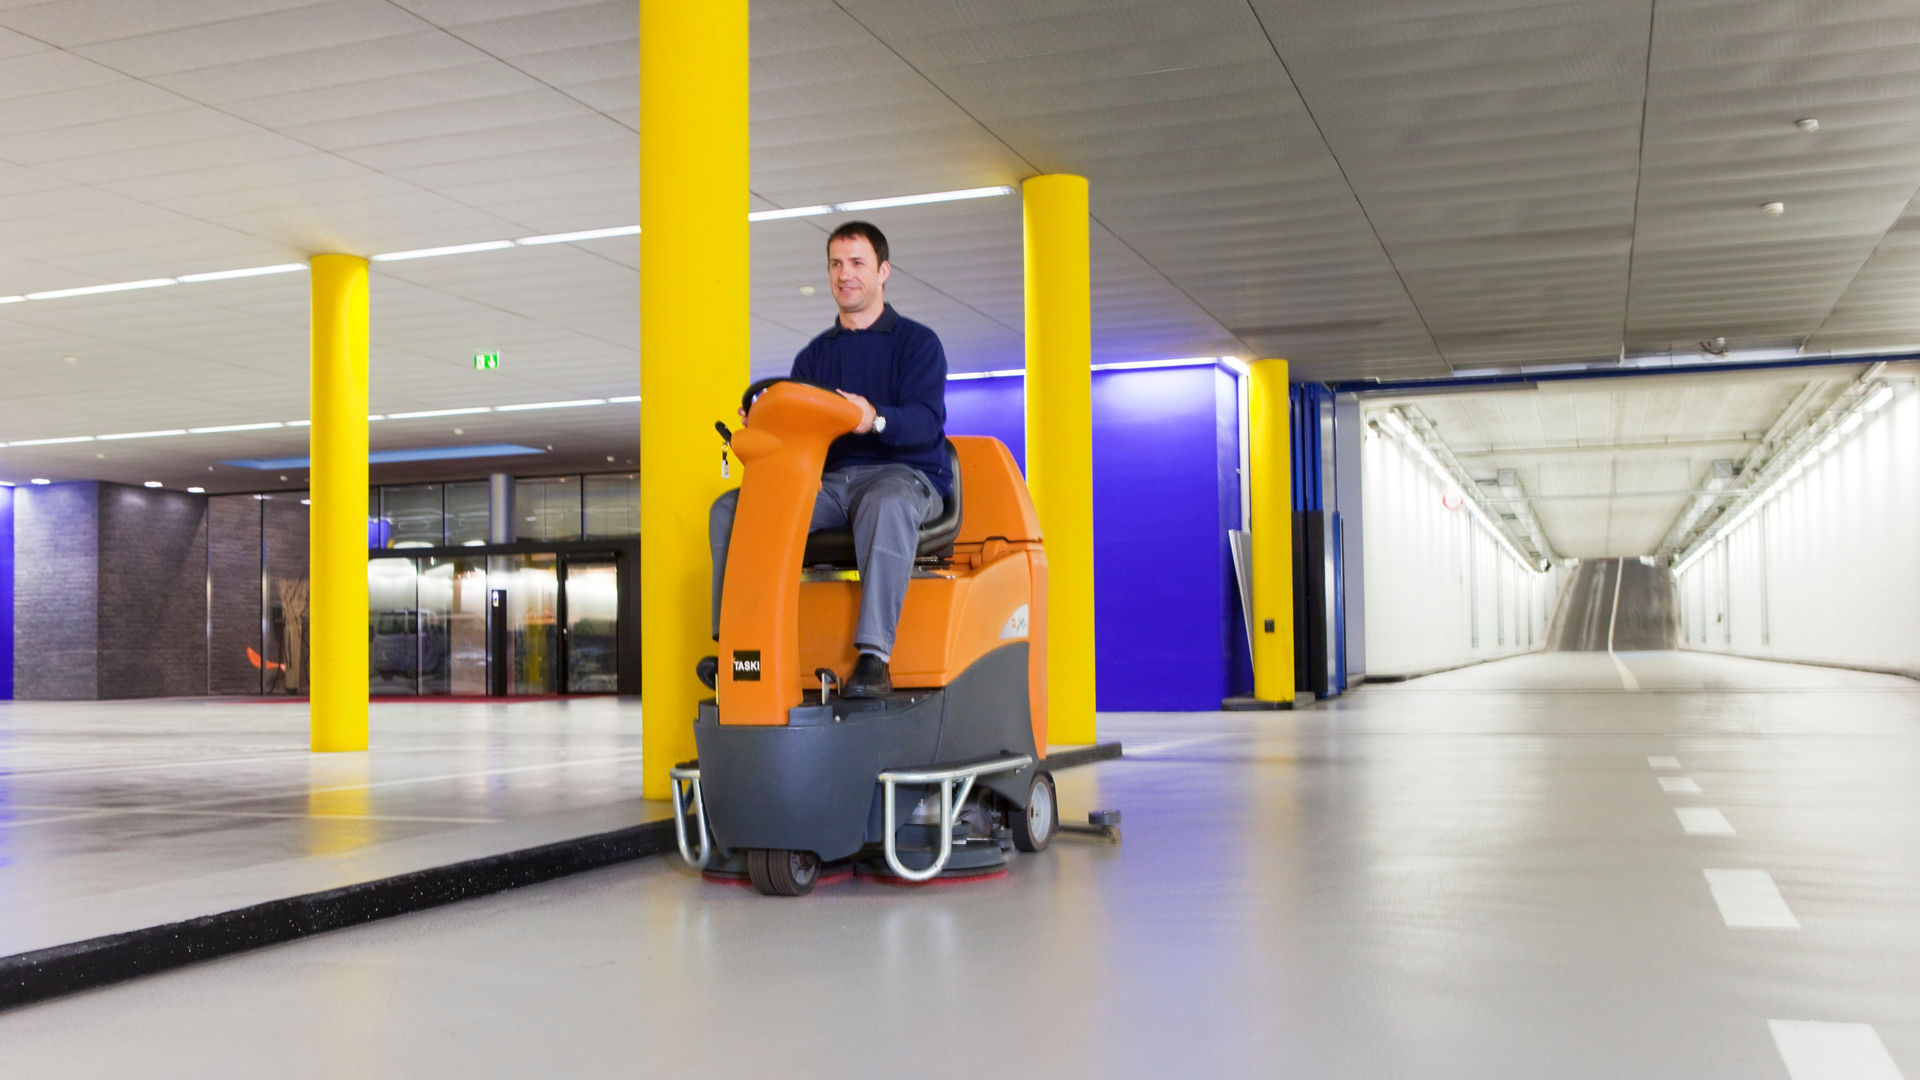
(50, 442)
(90, 290)
(40, 480)
(1878, 398)
(389, 457)
(153, 484)
(575, 404)
(196, 491)
(251, 271)
(238, 427)
(435, 252)
(1852, 421)
(632, 399)
(142, 434)
(1141, 365)
(1006, 373)
(436, 412)
(789, 212)
(1832, 440)
(525, 241)
(305, 423)
(584, 234)
(917, 200)
(1235, 365)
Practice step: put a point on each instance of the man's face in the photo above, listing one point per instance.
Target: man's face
(855, 275)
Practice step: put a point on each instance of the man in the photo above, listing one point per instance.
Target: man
(891, 474)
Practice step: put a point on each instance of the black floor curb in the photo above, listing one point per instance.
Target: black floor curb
(86, 965)
(1083, 755)
(53, 972)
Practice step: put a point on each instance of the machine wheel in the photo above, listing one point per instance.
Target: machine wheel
(1033, 828)
(779, 872)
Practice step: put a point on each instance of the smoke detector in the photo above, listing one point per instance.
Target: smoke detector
(1773, 209)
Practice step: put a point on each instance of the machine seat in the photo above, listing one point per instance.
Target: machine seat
(834, 547)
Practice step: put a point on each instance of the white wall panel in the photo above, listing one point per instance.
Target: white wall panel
(1827, 570)
(1442, 590)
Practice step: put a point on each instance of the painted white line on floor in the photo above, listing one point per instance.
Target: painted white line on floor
(1679, 785)
(1749, 900)
(292, 793)
(1816, 1050)
(1703, 821)
(1664, 762)
(168, 811)
(1162, 747)
(183, 763)
(1619, 666)
(10, 824)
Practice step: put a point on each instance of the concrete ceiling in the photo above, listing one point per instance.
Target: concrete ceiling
(1609, 465)
(1398, 188)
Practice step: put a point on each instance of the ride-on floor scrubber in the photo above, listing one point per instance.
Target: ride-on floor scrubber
(941, 778)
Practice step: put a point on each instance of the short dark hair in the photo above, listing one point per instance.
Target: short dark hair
(866, 231)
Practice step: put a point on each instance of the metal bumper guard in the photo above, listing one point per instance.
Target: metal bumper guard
(686, 794)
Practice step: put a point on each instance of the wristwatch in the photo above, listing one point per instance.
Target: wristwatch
(879, 423)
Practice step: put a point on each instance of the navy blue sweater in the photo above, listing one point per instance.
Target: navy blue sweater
(899, 366)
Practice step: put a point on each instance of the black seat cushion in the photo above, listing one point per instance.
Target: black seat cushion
(834, 547)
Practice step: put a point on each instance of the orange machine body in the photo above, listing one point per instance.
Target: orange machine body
(992, 593)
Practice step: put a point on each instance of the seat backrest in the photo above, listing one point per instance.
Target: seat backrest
(834, 547)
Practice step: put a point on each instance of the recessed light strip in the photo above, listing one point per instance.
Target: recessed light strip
(501, 245)
(1231, 363)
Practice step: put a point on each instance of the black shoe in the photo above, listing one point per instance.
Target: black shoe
(869, 678)
(708, 671)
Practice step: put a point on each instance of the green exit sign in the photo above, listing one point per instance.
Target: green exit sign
(486, 361)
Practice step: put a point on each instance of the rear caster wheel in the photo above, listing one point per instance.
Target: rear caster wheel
(779, 872)
(1033, 829)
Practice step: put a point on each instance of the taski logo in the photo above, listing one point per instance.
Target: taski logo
(746, 665)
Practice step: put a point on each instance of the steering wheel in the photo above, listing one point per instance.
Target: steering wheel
(761, 387)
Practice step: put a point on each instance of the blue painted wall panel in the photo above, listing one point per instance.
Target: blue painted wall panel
(1164, 594)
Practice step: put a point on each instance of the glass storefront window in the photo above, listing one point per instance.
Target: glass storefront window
(612, 505)
(394, 618)
(453, 626)
(549, 509)
(467, 510)
(414, 516)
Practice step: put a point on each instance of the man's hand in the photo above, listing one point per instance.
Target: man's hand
(867, 412)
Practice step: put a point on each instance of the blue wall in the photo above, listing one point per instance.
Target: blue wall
(1165, 491)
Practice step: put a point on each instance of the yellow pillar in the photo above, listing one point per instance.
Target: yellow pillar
(693, 340)
(1268, 459)
(338, 529)
(1060, 438)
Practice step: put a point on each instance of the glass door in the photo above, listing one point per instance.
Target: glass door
(393, 651)
(453, 626)
(593, 626)
(526, 592)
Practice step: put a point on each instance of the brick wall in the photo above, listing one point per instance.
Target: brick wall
(153, 593)
(56, 597)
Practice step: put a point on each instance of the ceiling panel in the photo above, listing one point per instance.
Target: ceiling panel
(1389, 189)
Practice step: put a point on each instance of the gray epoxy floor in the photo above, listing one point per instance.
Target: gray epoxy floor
(121, 815)
(1477, 874)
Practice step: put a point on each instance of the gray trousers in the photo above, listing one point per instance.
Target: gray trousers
(885, 505)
